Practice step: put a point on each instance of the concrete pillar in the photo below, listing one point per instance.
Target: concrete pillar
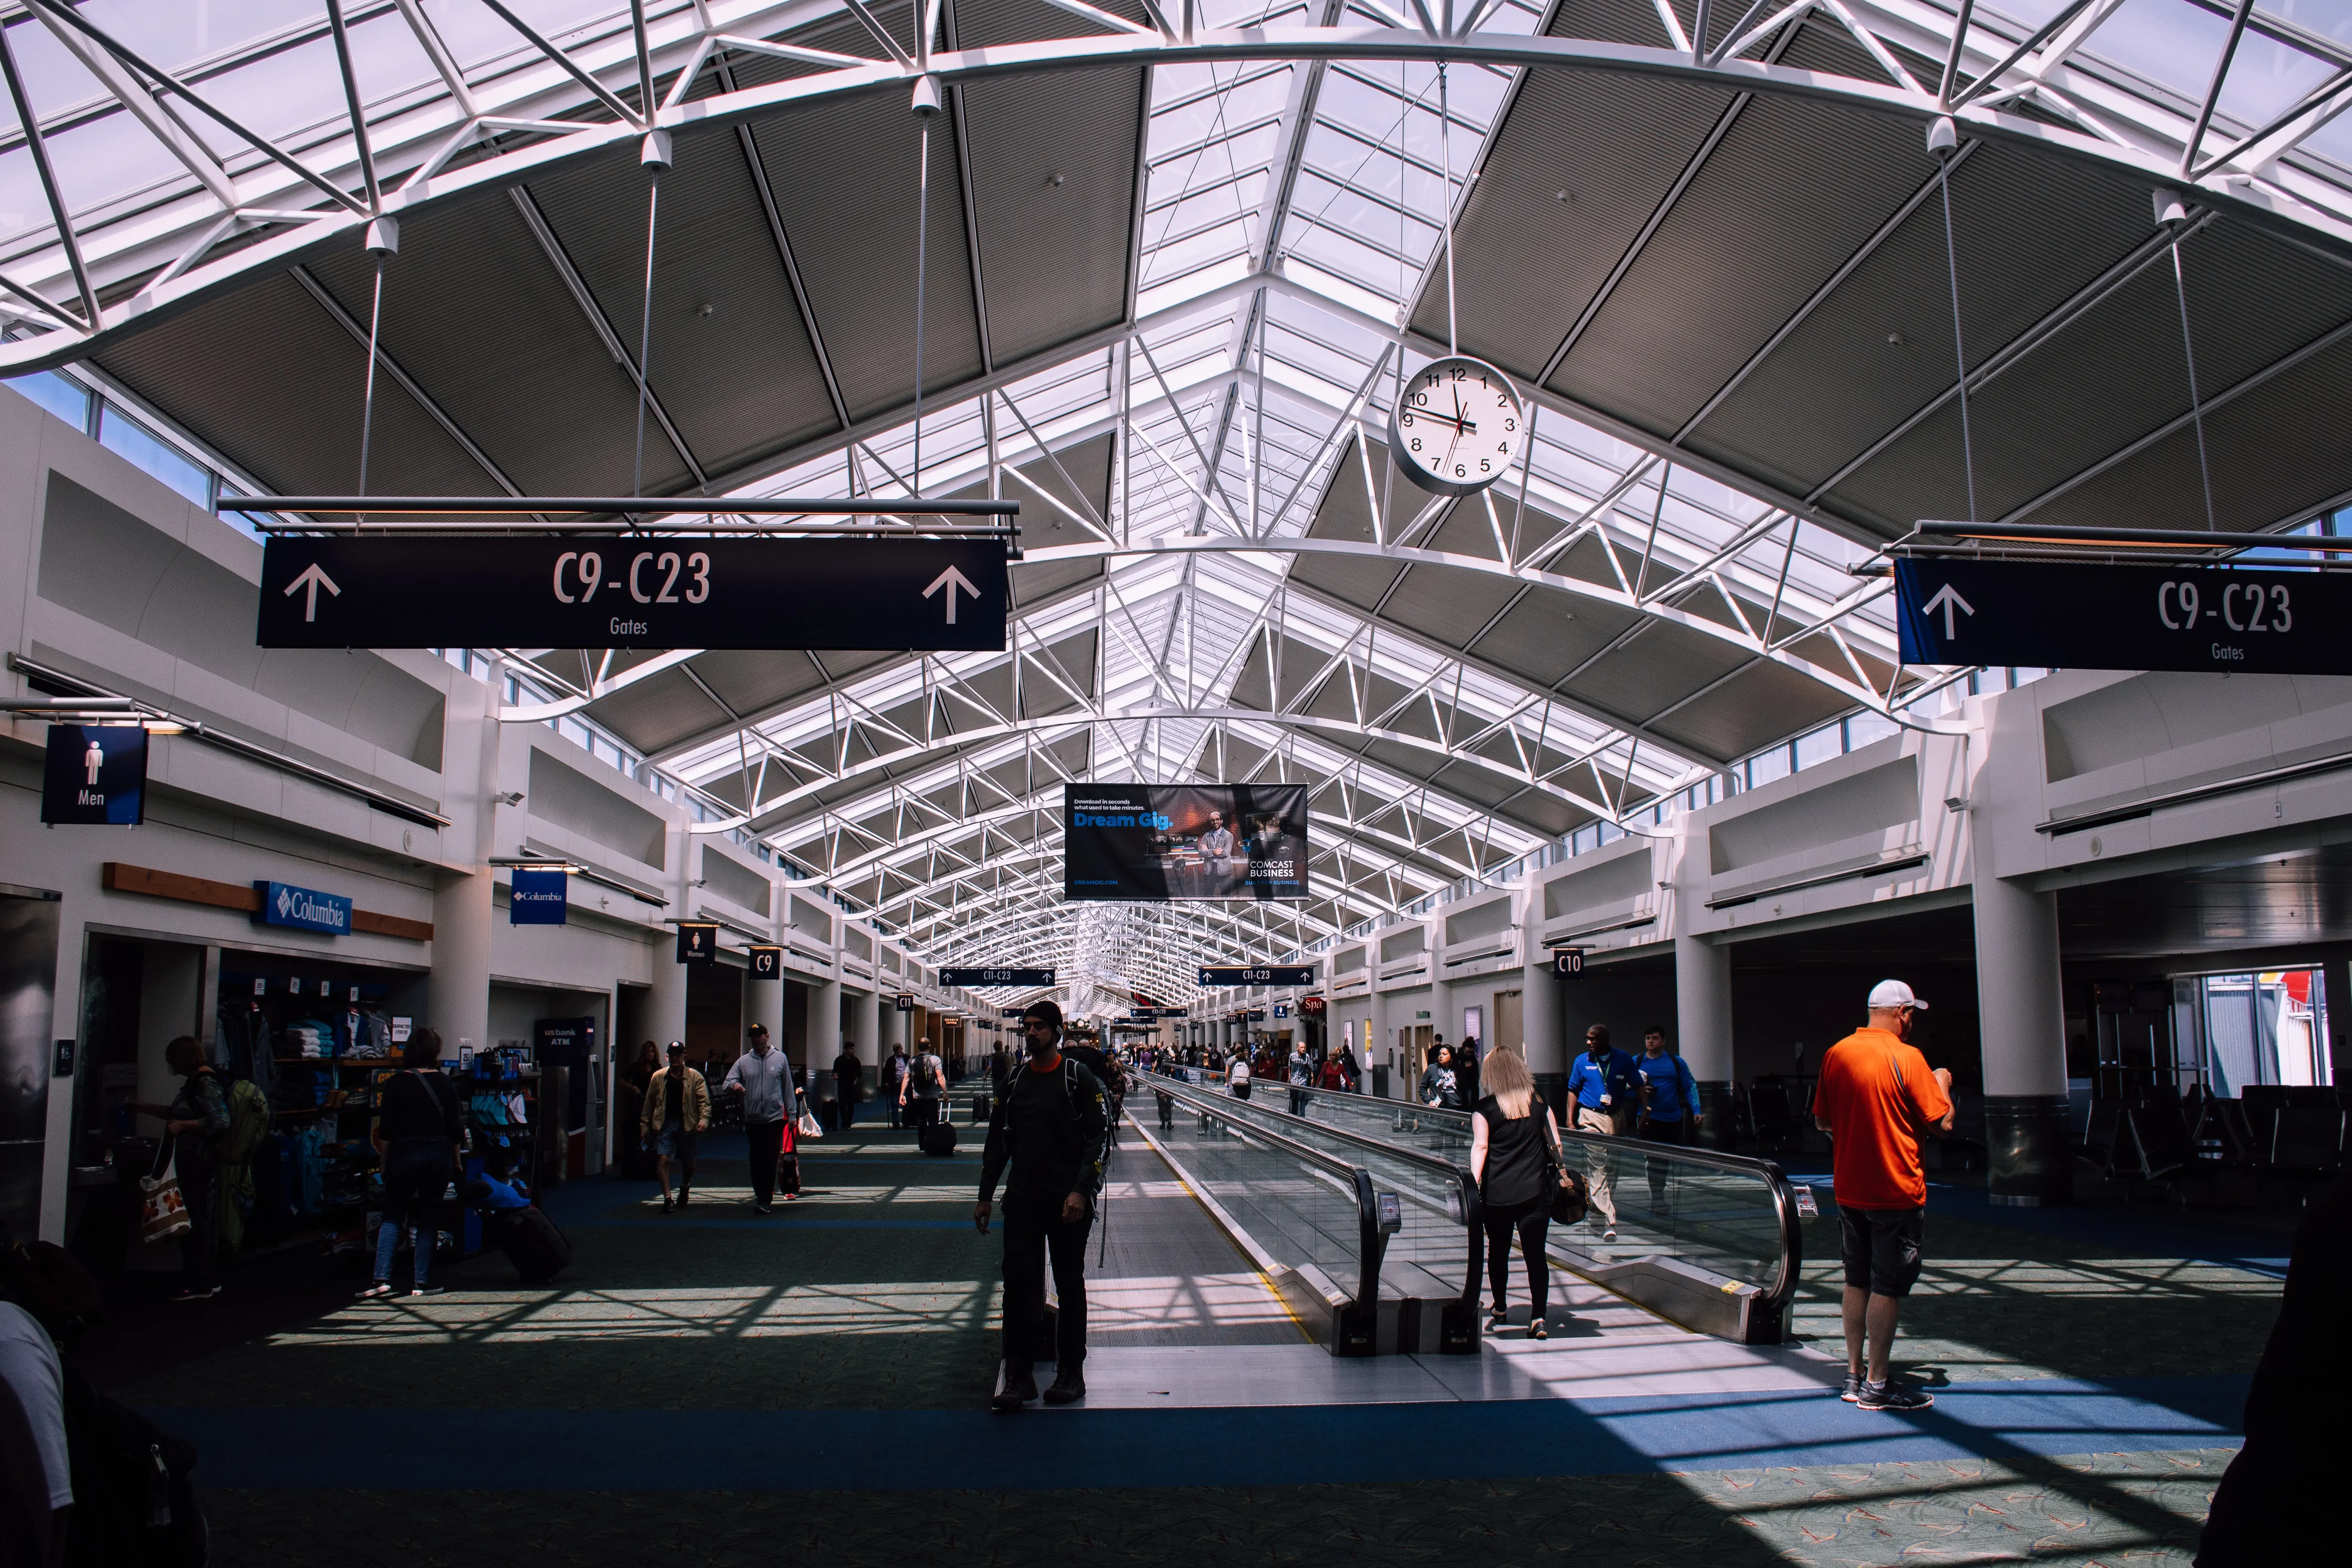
(1547, 1035)
(763, 1003)
(2023, 1010)
(1376, 1053)
(868, 1032)
(463, 908)
(1703, 1030)
(823, 1041)
(665, 1004)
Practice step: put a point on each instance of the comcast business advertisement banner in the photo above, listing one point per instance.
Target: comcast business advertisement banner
(1162, 842)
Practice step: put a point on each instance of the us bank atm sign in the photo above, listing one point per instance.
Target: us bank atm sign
(303, 909)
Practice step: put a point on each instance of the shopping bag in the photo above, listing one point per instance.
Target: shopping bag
(807, 1126)
(164, 1212)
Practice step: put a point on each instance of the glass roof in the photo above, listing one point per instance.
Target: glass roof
(1278, 251)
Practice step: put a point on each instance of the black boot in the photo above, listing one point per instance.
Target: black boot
(1019, 1388)
(1069, 1386)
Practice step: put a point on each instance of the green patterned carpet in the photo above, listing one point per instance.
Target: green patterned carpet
(874, 1294)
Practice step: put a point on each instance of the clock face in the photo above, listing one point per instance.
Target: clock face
(1456, 427)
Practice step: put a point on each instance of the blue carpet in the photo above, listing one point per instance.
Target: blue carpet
(596, 1450)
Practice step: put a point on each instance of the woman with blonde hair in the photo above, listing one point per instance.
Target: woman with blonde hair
(1513, 1156)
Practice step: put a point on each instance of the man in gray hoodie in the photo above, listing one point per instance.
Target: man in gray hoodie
(766, 1080)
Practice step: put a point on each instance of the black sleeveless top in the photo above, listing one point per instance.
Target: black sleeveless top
(1516, 1157)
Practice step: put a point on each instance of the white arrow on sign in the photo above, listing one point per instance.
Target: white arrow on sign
(951, 579)
(1948, 601)
(314, 579)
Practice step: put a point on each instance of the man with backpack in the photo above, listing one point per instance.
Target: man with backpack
(1054, 1129)
(924, 1092)
(1669, 1104)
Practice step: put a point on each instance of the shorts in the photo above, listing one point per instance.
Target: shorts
(674, 1142)
(1881, 1248)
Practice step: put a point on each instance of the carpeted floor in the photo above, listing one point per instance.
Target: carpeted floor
(843, 1348)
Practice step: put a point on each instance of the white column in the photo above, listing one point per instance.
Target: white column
(666, 1006)
(763, 1003)
(463, 909)
(1540, 1018)
(1376, 1050)
(868, 1033)
(823, 1026)
(2021, 1012)
(1703, 1027)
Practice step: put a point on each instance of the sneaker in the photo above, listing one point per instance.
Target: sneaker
(667, 1205)
(762, 1208)
(1893, 1396)
(1538, 1330)
(1608, 1233)
(427, 1289)
(191, 1293)
(1851, 1391)
(1069, 1387)
(684, 1194)
(1019, 1388)
(380, 1287)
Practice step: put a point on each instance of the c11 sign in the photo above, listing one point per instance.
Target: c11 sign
(2236, 620)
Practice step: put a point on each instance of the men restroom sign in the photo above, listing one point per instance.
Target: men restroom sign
(95, 775)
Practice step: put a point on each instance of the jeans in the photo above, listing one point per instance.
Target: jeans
(1530, 1219)
(765, 1139)
(200, 1248)
(845, 1095)
(1678, 1131)
(1033, 1232)
(1298, 1102)
(416, 1171)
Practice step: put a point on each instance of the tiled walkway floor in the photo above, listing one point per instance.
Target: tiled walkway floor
(709, 1387)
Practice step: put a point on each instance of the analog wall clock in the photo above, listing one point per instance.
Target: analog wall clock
(1456, 427)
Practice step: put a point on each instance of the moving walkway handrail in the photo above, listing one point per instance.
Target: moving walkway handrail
(1790, 1265)
(1467, 1187)
(1373, 1242)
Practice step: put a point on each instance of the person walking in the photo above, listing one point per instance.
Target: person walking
(677, 1111)
(1513, 1160)
(418, 1128)
(1349, 1068)
(1875, 1094)
(924, 1092)
(1669, 1105)
(631, 1095)
(1465, 1068)
(894, 1085)
(1597, 1082)
(1302, 1077)
(848, 1083)
(1439, 1087)
(1237, 1077)
(194, 1124)
(999, 1073)
(1054, 1130)
(766, 1080)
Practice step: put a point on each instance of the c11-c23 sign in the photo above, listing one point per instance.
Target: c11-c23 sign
(1161, 843)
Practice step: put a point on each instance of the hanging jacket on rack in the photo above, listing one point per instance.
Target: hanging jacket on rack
(244, 1047)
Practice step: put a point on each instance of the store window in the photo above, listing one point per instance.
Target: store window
(2254, 1030)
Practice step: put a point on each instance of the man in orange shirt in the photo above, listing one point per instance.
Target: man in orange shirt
(1876, 1095)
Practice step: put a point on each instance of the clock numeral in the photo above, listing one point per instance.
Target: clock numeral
(1407, 422)
(1459, 471)
(1485, 466)
(1510, 424)
(1416, 442)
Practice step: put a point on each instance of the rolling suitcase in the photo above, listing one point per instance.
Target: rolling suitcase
(982, 1107)
(939, 1137)
(532, 1243)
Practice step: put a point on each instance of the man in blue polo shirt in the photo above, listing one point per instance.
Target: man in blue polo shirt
(1669, 1104)
(1601, 1082)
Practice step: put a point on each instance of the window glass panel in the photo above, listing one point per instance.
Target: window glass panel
(61, 397)
(118, 432)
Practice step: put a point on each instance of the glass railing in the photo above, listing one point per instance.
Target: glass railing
(1301, 1209)
(1708, 1239)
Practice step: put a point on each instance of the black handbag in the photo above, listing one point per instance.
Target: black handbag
(1568, 1199)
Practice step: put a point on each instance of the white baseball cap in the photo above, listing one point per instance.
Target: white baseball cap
(1893, 994)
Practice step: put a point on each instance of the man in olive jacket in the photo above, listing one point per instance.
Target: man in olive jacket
(678, 1110)
(1054, 1128)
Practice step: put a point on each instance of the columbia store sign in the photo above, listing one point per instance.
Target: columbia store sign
(303, 909)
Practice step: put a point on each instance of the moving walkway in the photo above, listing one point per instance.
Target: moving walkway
(1707, 1240)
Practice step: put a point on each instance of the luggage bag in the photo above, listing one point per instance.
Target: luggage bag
(532, 1243)
(938, 1137)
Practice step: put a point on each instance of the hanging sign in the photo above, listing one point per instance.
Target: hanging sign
(1281, 1010)
(541, 898)
(547, 591)
(698, 941)
(1264, 975)
(977, 977)
(95, 775)
(1568, 961)
(767, 962)
(905, 1002)
(303, 909)
(2237, 620)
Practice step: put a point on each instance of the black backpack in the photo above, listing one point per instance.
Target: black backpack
(134, 1505)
